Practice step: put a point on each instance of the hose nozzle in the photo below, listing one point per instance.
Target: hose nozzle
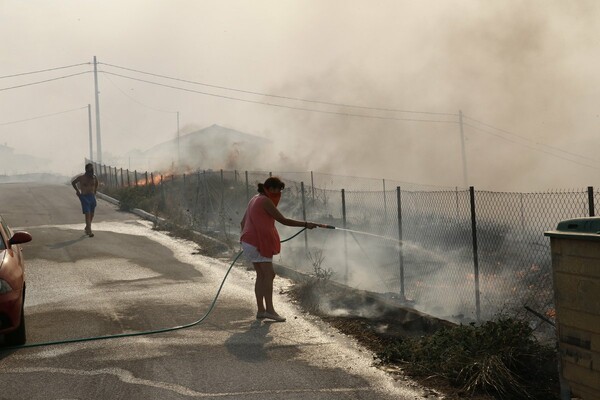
(327, 226)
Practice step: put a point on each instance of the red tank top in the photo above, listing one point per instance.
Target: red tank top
(259, 228)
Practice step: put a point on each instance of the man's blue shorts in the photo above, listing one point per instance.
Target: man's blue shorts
(88, 202)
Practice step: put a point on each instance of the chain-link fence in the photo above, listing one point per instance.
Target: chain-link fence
(453, 253)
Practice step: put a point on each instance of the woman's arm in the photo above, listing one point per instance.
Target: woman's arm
(270, 208)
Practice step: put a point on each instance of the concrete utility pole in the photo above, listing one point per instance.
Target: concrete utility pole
(98, 134)
(462, 147)
(178, 151)
(90, 130)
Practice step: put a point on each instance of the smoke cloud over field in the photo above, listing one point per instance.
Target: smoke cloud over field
(522, 72)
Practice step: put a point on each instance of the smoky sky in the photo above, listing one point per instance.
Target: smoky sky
(522, 72)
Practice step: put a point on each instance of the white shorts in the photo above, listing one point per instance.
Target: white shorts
(251, 253)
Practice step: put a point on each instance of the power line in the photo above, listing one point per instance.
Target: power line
(138, 102)
(240, 91)
(44, 81)
(284, 106)
(278, 105)
(42, 116)
(346, 105)
(531, 147)
(44, 70)
(280, 97)
(531, 141)
(327, 103)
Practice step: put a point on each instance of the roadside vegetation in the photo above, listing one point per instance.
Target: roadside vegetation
(498, 359)
(142, 197)
(501, 358)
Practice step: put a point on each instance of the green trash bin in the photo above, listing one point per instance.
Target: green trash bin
(575, 248)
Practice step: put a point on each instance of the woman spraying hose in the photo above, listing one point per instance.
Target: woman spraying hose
(260, 241)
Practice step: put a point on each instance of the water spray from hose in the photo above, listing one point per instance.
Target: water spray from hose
(360, 233)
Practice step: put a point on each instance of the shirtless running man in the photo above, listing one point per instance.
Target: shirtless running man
(86, 191)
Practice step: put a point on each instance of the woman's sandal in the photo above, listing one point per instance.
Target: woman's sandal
(274, 317)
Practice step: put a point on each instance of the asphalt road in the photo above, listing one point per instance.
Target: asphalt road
(130, 278)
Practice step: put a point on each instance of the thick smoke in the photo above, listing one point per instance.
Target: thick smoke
(527, 68)
(521, 68)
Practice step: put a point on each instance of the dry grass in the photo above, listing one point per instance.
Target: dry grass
(498, 359)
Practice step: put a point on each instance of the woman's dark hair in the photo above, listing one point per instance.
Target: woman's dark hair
(272, 182)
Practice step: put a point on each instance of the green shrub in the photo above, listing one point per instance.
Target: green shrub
(143, 197)
(501, 358)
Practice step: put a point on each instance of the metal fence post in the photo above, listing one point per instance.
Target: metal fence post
(400, 249)
(195, 210)
(184, 192)
(384, 203)
(345, 235)
(522, 213)
(304, 217)
(457, 207)
(312, 186)
(206, 199)
(222, 206)
(247, 188)
(109, 177)
(591, 201)
(475, 254)
(162, 193)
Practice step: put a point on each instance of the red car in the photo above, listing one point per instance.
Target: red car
(12, 285)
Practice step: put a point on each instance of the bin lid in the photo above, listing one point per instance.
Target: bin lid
(577, 228)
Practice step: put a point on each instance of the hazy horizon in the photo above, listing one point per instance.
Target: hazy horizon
(360, 88)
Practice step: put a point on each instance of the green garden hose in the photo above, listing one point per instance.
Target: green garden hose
(149, 332)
